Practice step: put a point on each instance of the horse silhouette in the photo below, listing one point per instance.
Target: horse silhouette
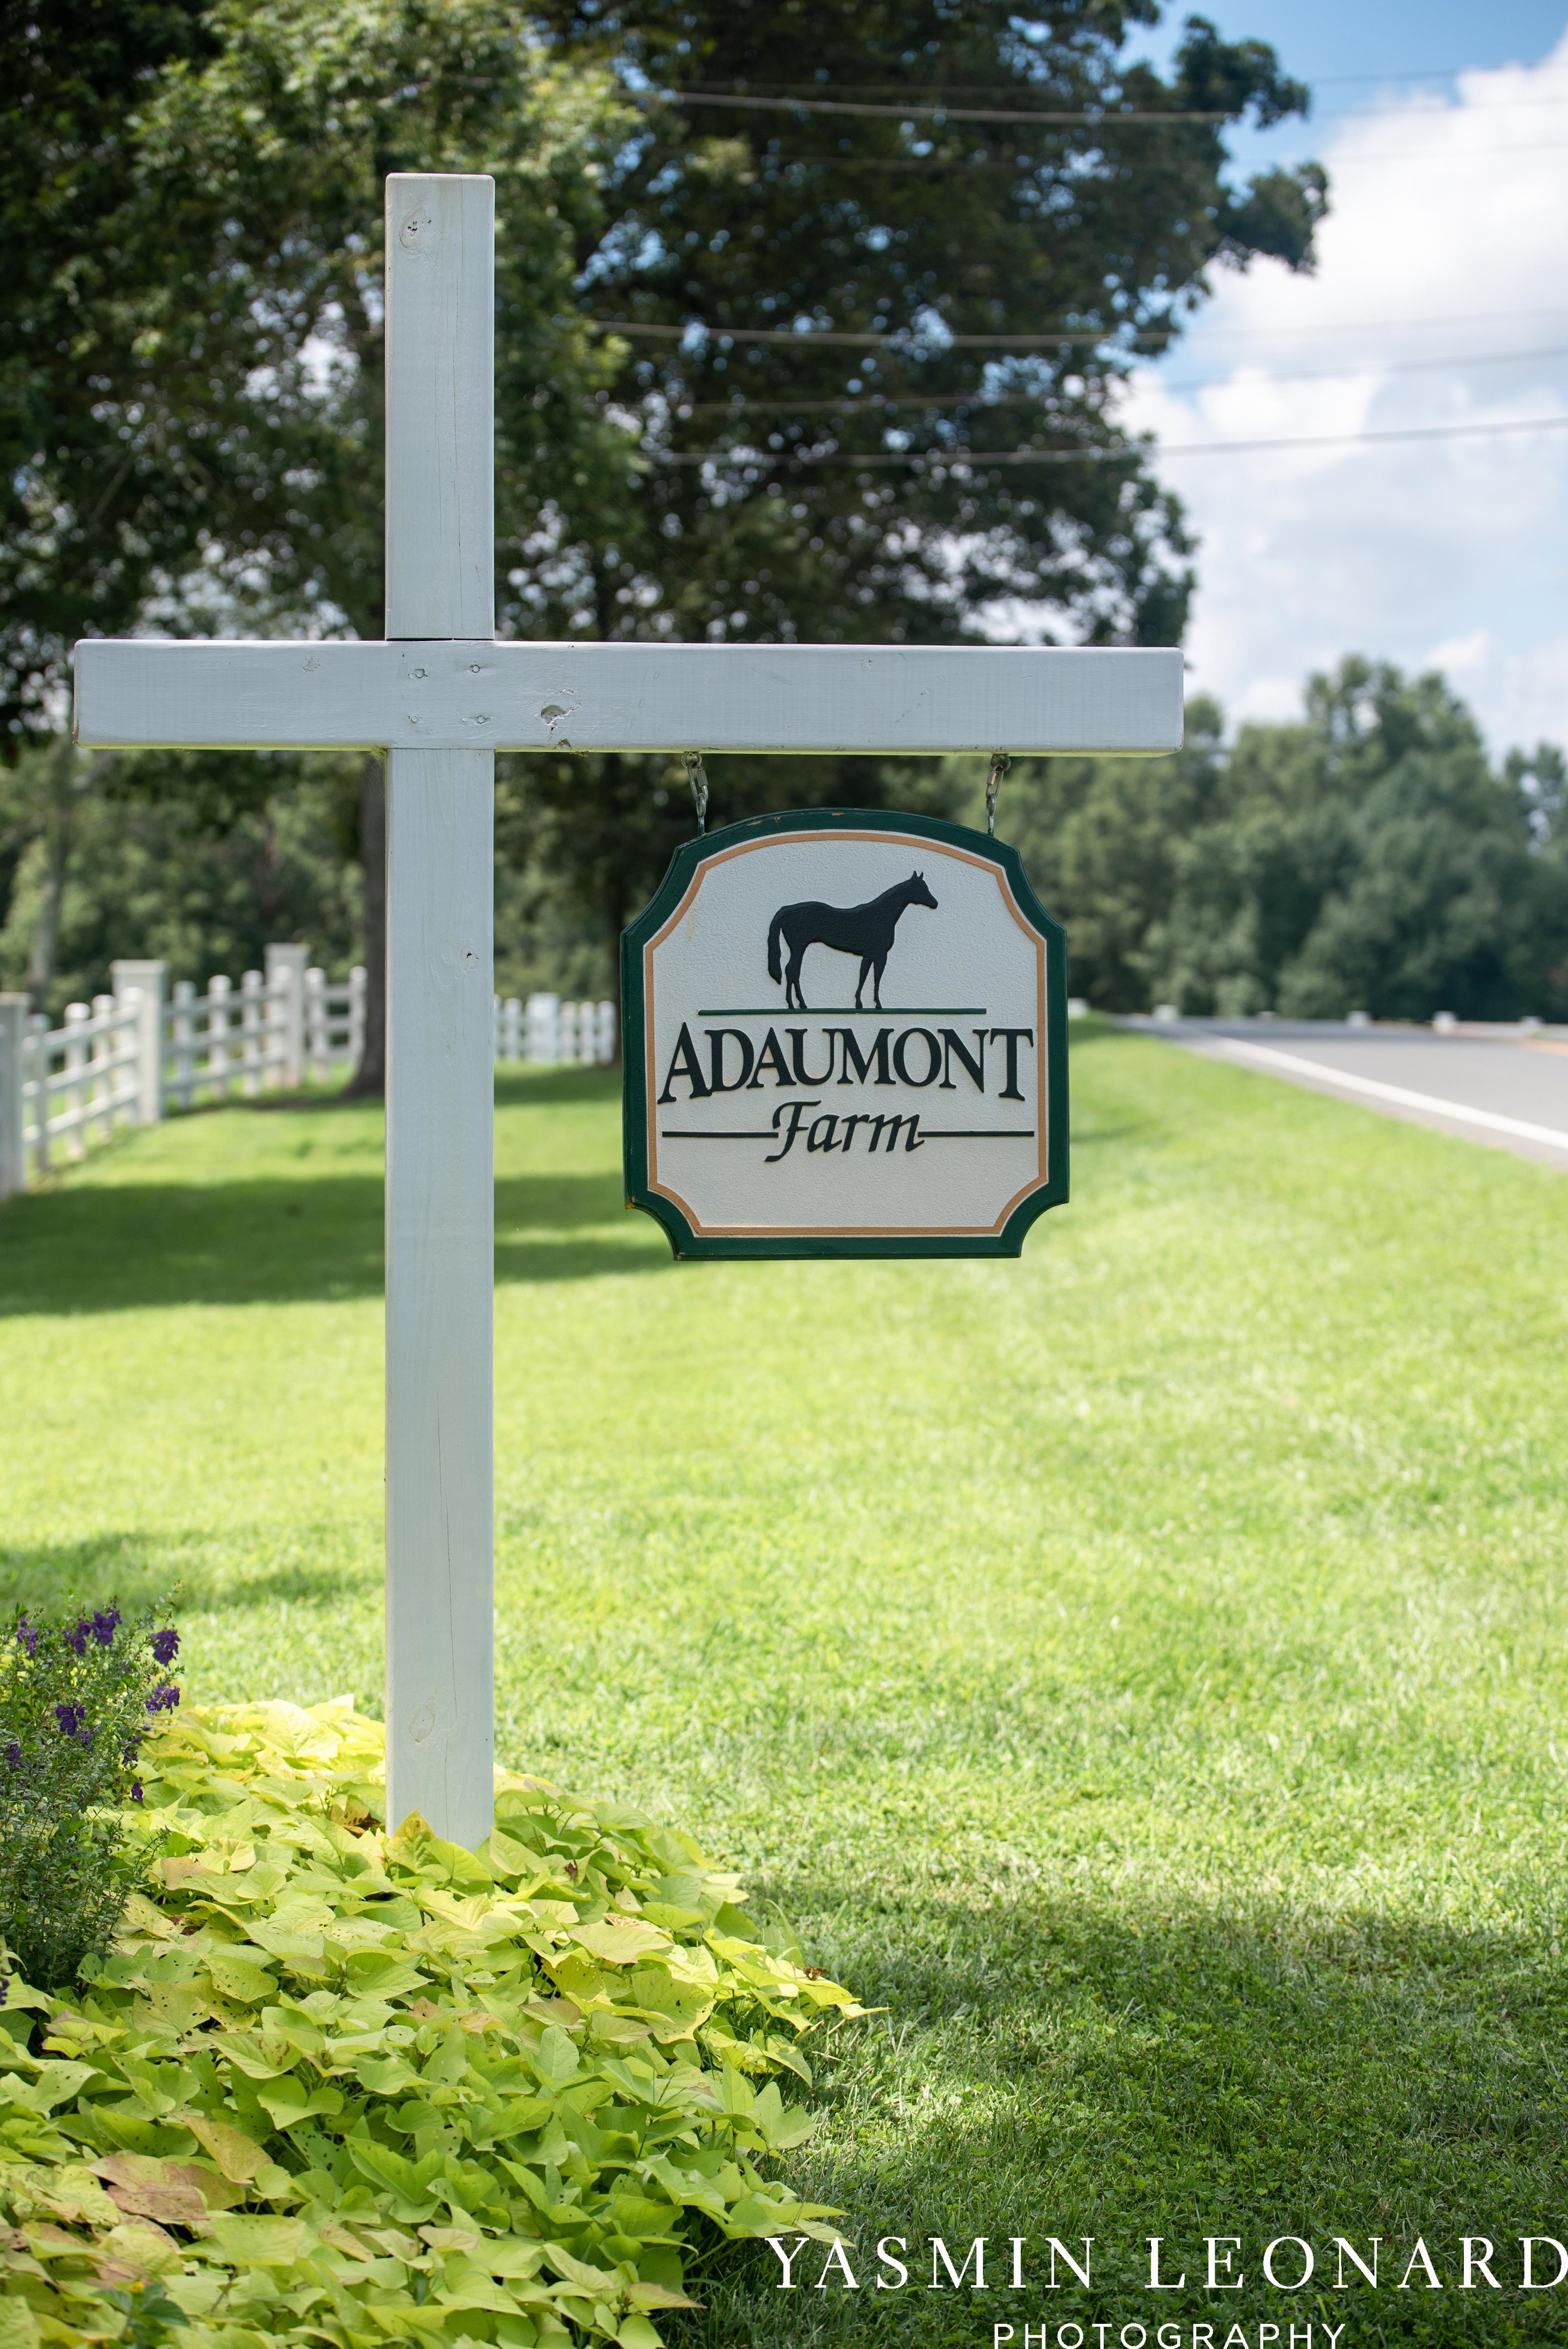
(864, 930)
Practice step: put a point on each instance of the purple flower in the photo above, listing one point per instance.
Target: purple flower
(166, 1646)
(78, 1637)
(163, 1700)
(13, 1755)
(28, 1635)
(70, 1718)
(103, 1625)
(136, 1790)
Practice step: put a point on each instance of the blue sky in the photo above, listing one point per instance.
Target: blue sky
(1438, 311)
(1351, 54)
(1318, 38)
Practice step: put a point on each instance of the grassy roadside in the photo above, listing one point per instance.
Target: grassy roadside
(1139, 1668)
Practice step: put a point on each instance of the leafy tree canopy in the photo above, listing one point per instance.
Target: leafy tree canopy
(1371, 857)
(838, 323)
(864, 352)
(191, 362)
(190, 358)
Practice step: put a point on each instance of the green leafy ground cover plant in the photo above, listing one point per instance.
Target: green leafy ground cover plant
(337, 2085)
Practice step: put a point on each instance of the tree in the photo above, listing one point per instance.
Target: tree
(1423, 881)
(681, 478)
(233, 327)
(178, 858)
(1102, 841)
(98, 499)
(841, 328)
(1368, 858)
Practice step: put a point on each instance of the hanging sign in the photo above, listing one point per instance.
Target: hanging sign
(845, 1034)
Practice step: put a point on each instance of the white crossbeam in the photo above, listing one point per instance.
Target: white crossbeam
(481, 695)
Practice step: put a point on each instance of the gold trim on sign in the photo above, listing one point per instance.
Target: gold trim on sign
(847, 1231)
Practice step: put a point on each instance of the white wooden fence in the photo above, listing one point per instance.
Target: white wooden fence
(545, 1029)
(126, 1058)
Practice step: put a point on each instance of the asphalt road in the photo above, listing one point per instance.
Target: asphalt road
(1502, 1088)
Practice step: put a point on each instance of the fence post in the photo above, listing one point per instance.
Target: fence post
(286, 971)
(37, 1045)
(315, 1035)
(355, 1015)
(543, 1028)
(12, 1043)
(101, 1065)
(219, 990)
(146, 980)
(184, 1027)
(251, 1011)
(76, 1017)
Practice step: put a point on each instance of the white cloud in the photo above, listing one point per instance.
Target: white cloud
(1445, 242)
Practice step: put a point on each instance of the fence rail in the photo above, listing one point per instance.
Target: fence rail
(127, 1058)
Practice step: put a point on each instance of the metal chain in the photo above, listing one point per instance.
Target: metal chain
(1000, 762)
(697, 776)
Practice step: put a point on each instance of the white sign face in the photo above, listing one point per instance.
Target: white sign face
(843, 1036)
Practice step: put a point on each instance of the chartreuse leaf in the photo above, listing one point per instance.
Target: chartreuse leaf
(339, 2086)
(241, 2241)
(244, 1978)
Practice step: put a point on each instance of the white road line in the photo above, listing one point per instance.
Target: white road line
(1557, 1136)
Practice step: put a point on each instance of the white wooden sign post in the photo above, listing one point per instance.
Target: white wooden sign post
(440, 694)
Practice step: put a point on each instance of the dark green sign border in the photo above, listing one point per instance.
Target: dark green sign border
(684, 865)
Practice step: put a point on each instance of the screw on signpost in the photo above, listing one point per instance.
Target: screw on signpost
(697, 776)
(1000, 762)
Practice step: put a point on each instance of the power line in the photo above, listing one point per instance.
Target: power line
(928, 104)
(982, 458)
(742, 404)
(1452, 154)
(1428, 73)
(1363, 439)
(802, 92)
(1377, 325)
(939, 113)
(905, 343)
(1466, 105)
(1387, 367)
(999, 158)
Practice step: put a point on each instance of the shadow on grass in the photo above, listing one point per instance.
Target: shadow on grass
(515, 1088)
(555, 1088)
(103, 1248)
(1053, 2067)
(137, 1566)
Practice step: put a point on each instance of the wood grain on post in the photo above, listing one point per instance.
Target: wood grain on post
(441, 1154)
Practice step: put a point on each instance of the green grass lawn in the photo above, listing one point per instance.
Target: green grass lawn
(1140, 1669)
